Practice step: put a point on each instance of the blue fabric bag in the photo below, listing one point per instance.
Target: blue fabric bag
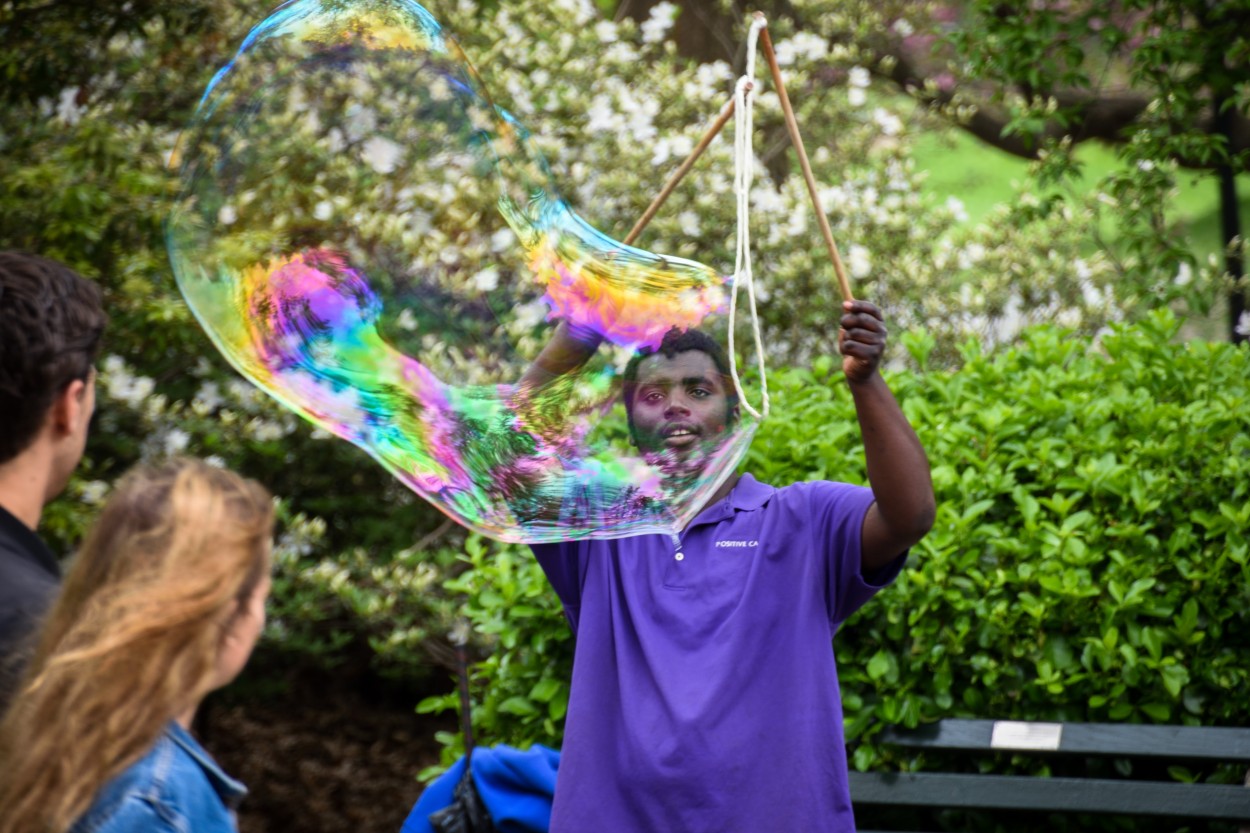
(515, 786)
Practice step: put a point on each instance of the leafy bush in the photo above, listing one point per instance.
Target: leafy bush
(1089, 561)
(521, 689)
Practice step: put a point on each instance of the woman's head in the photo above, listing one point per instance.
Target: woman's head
(180, 546)
(162, 605)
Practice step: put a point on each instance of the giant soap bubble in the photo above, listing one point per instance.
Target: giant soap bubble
(367, 238)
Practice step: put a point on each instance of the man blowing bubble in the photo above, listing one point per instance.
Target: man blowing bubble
(705, 694)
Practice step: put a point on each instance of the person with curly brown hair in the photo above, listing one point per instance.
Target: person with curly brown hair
(51, 321)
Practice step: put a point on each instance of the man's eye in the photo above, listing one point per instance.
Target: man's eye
(700, 393)
(654, 396)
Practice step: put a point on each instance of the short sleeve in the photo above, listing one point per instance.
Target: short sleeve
(840, 509)
(562, 564)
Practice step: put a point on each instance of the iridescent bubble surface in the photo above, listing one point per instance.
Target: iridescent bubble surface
(371, 241)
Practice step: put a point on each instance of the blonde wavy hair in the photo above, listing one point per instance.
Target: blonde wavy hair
(134, 637)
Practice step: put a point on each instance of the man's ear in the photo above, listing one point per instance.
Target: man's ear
(66, 412)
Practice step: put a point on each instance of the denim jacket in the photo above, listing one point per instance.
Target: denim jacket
(175, 788)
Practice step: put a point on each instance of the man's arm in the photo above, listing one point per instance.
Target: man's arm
(898, 470)
(566, 352)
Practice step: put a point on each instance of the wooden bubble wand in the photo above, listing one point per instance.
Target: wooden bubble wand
(792, 127)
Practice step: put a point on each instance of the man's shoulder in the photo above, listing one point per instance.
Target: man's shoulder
(24, 557)
(819, 490)
(26, 589)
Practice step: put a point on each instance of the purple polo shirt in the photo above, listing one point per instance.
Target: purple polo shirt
(704, 695)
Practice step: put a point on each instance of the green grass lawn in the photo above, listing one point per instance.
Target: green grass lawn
(982, 177)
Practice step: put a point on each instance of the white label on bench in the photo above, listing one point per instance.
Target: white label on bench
(1015, 734)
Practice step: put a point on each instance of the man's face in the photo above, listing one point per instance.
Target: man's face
(680, 405)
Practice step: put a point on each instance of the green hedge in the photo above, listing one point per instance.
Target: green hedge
(1089, 560)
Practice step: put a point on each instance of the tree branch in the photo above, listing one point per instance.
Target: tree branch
(1104, 115)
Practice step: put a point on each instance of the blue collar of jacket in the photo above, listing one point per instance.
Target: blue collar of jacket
(230, 790)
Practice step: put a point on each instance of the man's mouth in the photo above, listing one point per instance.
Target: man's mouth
(680, 436)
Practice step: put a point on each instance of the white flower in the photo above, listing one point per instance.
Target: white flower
(661, 151)
(323, 210)
(93, 491)
(175, 441)
(858, 77)
(529, 315)
(859, 261)
(856, 97)
(689, 221)
(1243, 325)
(903, 29)
(121, 385)
(971, 255)
(620, 53)
(1184, 274)
(207, 399)
(713, 74)
(502, 239)
(265, 431)
(486, 280)
(1091, 294)
(1083, 272)
(241, 392)
(956, 207)
(381, 154)
(606, 31)
(835, 196)
(1145, 165)
(639, 122)
(226, 215)
(602, 116)
(682, 146)
(889, 123)
(802, 45)
(215, 461)
(67, 109)
(767, 200)
(655, 27)
(406, 320)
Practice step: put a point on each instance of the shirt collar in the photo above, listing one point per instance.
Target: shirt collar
(748, 494)
(29, 545)
(230, 790)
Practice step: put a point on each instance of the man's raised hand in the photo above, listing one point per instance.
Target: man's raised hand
(861, 340)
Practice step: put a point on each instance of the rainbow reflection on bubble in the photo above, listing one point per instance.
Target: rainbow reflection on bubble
(368, 239)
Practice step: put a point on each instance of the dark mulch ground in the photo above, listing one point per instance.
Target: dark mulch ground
(323, 755)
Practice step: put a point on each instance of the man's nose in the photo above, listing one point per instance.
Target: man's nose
(676, 405)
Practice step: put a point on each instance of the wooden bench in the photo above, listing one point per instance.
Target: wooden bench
(1160, 746)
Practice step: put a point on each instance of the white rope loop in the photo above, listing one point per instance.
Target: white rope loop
(744, 160)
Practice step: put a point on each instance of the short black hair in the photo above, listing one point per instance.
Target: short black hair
(51, 321)
(680, 341)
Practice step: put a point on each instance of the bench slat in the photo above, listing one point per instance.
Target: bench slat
(1174, 742)
(1074, 795)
